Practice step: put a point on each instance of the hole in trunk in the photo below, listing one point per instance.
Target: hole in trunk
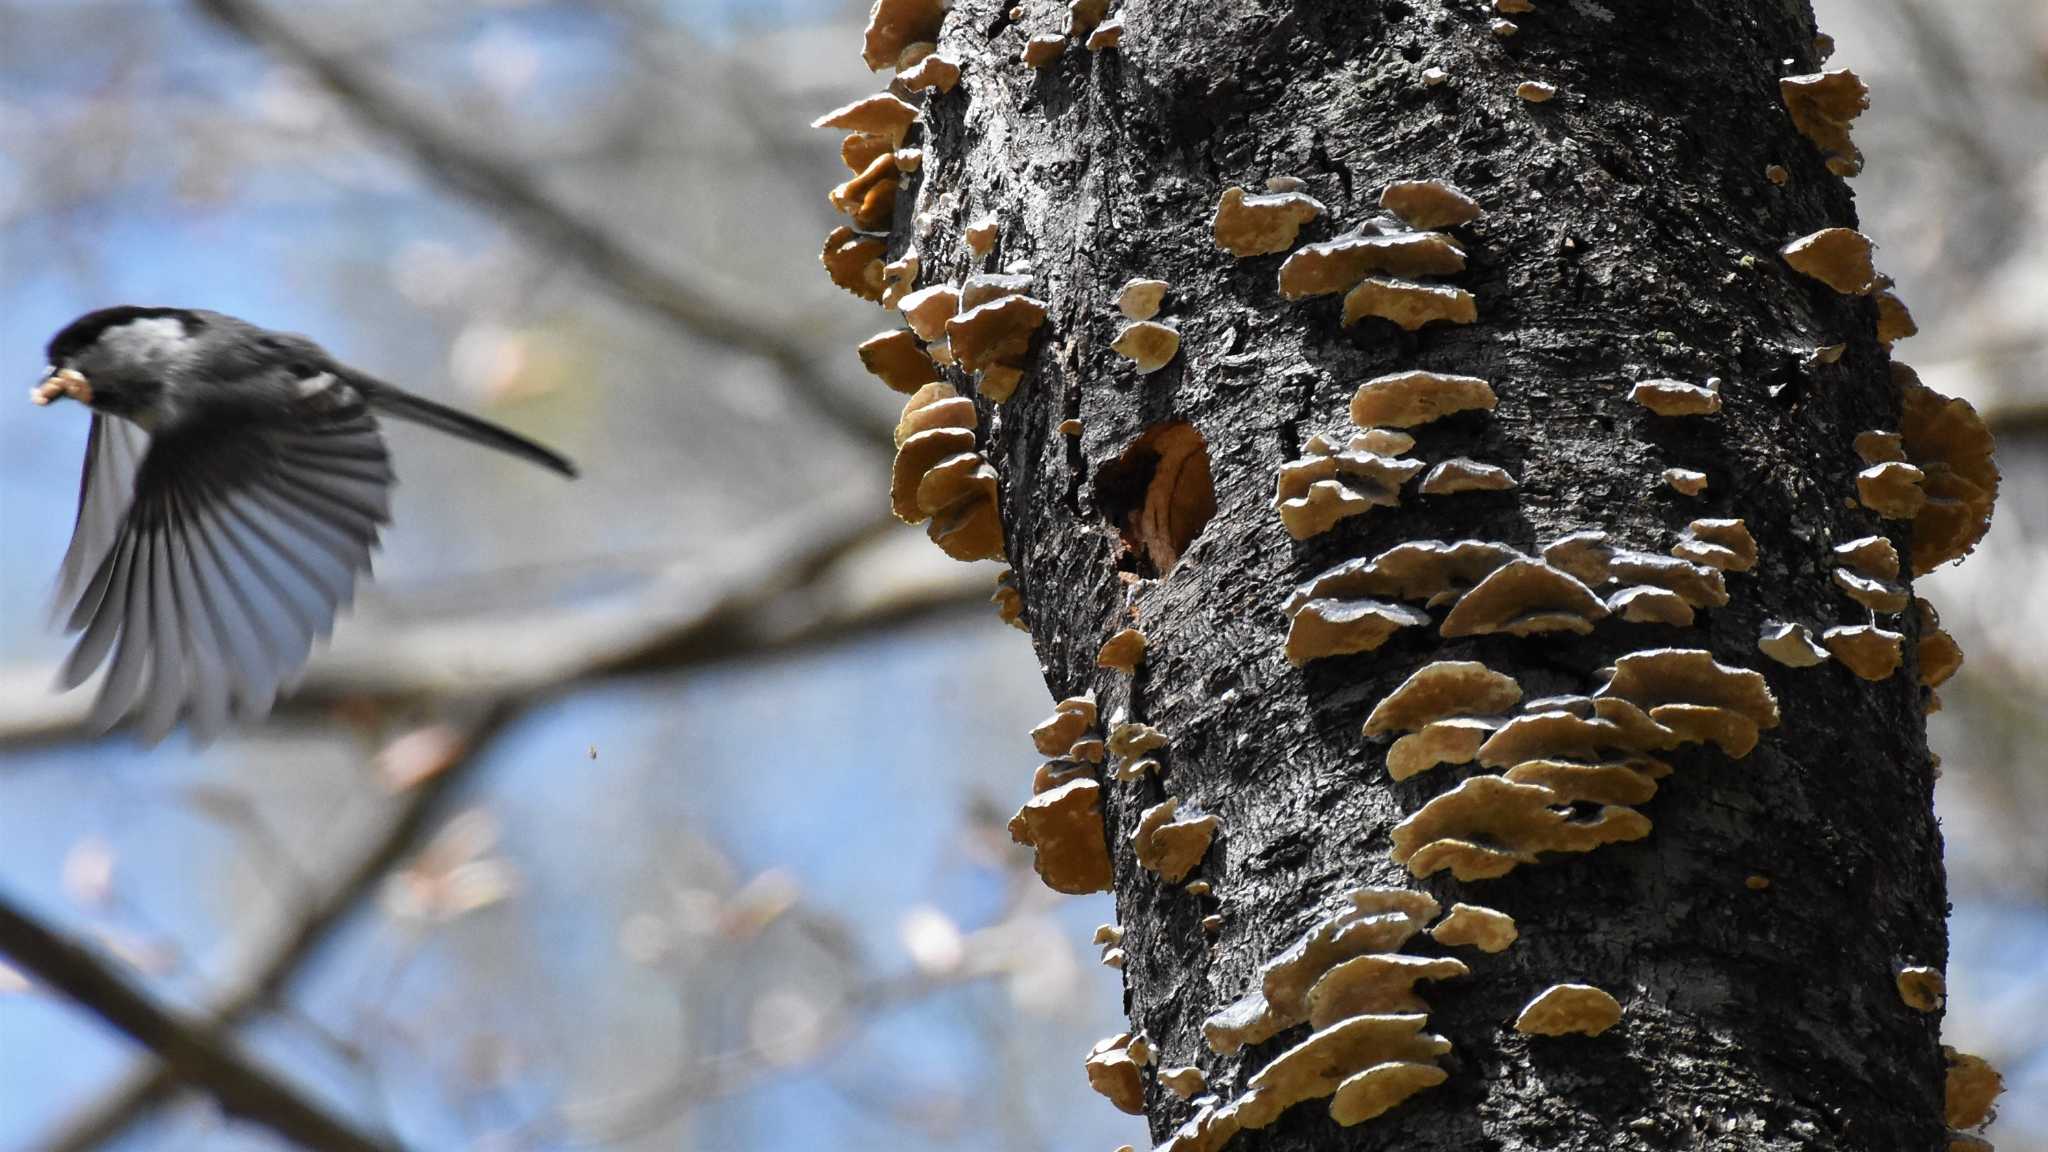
(1159, 495)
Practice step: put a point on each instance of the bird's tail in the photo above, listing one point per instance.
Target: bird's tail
(406, 406)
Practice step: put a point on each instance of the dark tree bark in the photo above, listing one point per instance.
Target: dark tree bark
(1630, 232)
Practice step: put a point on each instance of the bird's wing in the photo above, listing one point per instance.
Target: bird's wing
(113, 451)
(242, 534)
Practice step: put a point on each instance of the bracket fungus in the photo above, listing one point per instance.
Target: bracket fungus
(1569, 1009)
(1823, 105)
(1536, 91)
(939, 476)
(854, 262)
(1071, 719)
(894, 25)
(1247, 225)
(1688, 691)
(1440, 690)
(1108, 34)
(1379, 1088)
(1647, 604)
(1409, 304)
(1970, 1088)
(1042, 49)
(1792, 645)
(881, 115)
(1321, 488)
(1923, 989)
(1873, 592)
(1487, 825)
(1325, 627)
(1338, 265)
(1429, 204)
(1454, 740)
(1116, 1074)
(1009, 600)
(1470, 925)
(1427, 570)
(934, 405)
(981, 235)
(1677, 398)
(1894, 319)
(937, 71)
(1063, 827)
(897, 360)
(1186, 1081)
(995, 334)
(1411, 399)
(1587, 783)
(1122, 652)
(1865, 649)
(1459, 474)
(1140, 299)
(1937, 653)
(1129, 741)
(1168, 846)
(1524, 598)
(928, 309)
(1084, 15)
(1376, 983)
(1948, 442)
(1723, 544)
(1322, 1064)
(1148, 344)
(1685, 481)
(870, 196)
(1837, 257)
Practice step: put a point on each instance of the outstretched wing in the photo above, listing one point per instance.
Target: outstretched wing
(238, 538)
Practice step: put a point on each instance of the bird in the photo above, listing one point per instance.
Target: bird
(235, 485)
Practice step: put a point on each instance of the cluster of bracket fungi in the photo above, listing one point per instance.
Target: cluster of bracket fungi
(1557, 775)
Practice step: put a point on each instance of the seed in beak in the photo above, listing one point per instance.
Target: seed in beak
(63, 382)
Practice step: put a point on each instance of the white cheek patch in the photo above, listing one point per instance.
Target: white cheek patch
(154, 339)
(314, 385)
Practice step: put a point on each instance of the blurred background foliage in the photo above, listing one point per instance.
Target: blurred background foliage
(742, 883)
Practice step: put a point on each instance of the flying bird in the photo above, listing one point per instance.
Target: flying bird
(235, 484)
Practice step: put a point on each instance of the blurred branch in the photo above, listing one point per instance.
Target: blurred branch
(194, 1053)
(2018, 418)
(813, 580)
(103, 1120)
(515, 194)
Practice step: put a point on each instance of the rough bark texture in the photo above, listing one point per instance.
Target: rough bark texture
(1630, 233)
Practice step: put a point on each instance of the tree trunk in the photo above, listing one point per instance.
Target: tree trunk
(1630, 232)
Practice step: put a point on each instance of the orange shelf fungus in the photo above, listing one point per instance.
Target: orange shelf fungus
(1429, 204)
(1677, 398)
(1071, 719)
(1937, 653)
(1108, 34)
(1318, 1066)
(1536, 91)
(1469, 925)
(1892, 489)
(1379, 1088)
(1459, 474)
(1116, 1074)
(1455, 740)
(870, 196)
(1894, 320)
(1865, 649)
(1440, 690)
(1972, 1085)
(854, 262)
(934, 405)
(1140, 299)
(1524, 598)
(1376, 984)
(1083, 16)
(1921, 988)
(1837, 257)
(1488, 825)
(1792, 645)
(1168, 846)
(1315, 492)
(1823, 105)
(1949, 443)
(1324, 627)
(1427, 570)
(1063, 827)
(1186, 1082)
(1569, 1009)
(1247, 225)
(1147, 344)
(982, 234)
(1338, 265)
(1042, 49)
(1411, 399)
(1009, 601)
(1122, 652)
(879, 115)
(1723, 544)
(1645, 604)
(1688, 691)
(897, 360)
(1875, 447)
(927, 310)
(1409, 304)
(1874, 593)
(939, 476)
(1576, 783)
(936, 72)
(895, 25)
(1685, 481)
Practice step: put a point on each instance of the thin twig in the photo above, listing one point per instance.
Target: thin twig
(193, 1052)
(513, 193)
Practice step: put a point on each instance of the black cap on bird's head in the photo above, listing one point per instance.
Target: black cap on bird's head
(84, 366)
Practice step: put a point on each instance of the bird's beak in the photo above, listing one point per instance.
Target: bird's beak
(61, 383)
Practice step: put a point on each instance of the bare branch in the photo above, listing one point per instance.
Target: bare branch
(511, 192)
(193, 1052)
(102, 1120)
